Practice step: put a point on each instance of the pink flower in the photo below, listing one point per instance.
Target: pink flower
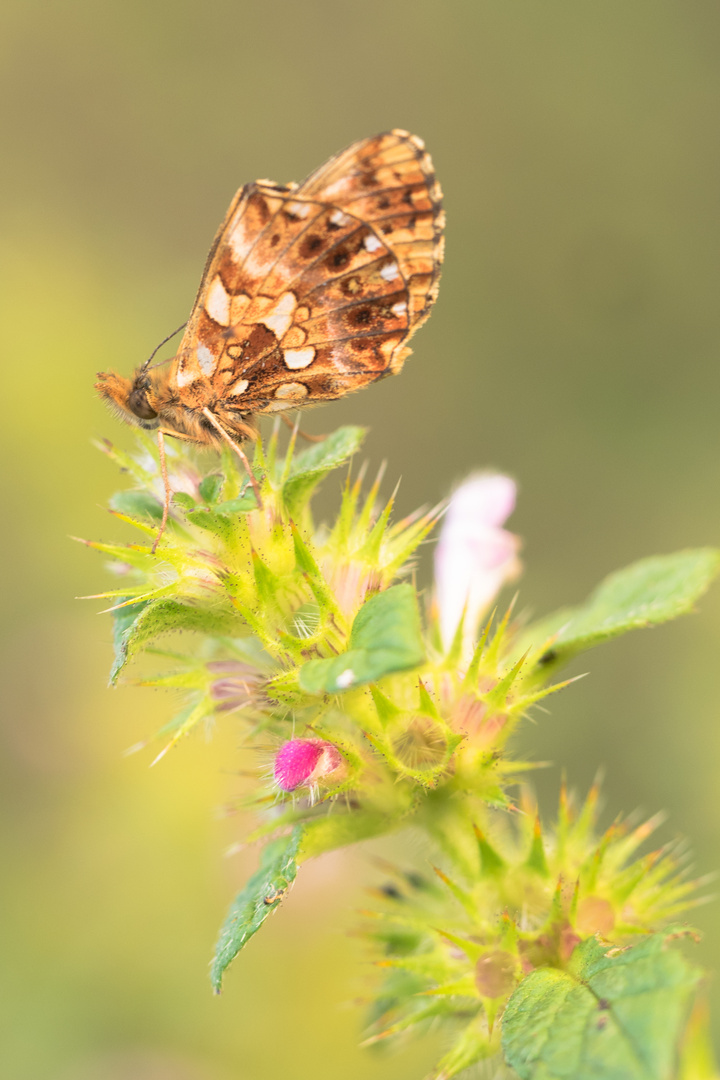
(474, 557)
(305, 761)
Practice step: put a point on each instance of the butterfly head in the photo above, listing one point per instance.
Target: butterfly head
(131, 398)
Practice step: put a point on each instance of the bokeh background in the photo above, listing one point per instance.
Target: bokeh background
(575, 344)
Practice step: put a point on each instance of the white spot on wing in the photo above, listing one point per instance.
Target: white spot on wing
(390, 272)
(292, 391)
(239, 241)
(206, 360)
(400, 308)
(217, 302)
(280, 317)
(300, 209)
(239, 388)
(372, 243)
(338, 218)
(299, 358)
(186, 371)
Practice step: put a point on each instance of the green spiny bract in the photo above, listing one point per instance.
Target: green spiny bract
(312, 630)
(307, 631)
(456, 944)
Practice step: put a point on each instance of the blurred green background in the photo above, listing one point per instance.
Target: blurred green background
(575, 344)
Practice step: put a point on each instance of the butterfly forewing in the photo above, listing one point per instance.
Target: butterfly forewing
(312, 291)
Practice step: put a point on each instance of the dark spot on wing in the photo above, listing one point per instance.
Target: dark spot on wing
(311, 245)
(261, 342)
(362, 316)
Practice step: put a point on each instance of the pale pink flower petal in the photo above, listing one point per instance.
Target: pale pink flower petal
(474, 557)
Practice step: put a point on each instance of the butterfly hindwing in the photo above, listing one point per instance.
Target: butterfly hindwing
(389, 182)
(311, 292)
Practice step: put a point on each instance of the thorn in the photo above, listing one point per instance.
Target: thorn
(161, 754)
(490, 862)
(135, 748)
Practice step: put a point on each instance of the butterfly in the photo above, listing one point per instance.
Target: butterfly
(309, 292)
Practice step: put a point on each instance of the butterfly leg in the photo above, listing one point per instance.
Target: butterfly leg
(166, 482)
(238, 450)
(162, 432)
(303, 434)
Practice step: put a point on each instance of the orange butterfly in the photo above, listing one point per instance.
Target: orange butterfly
(309, 292)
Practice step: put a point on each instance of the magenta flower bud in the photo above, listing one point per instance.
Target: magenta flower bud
(305, 761)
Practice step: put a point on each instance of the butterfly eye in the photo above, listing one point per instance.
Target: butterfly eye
(139, 405)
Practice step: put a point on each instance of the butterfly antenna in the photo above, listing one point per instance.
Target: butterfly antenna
(163, 342)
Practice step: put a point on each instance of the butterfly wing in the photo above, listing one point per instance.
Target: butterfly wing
(389, 182)
(311, 292)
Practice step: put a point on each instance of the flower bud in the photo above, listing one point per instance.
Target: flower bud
(305, 761)
(237, 686)
(496, 973)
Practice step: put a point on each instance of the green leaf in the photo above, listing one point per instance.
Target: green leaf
(137, 504)
(182, 499)
(134, 626)
(260, 897)
(612, 1015)
(213, 521)
(243, 503)
(123, 620)
(309, 467)
(385, 637)
(648, 593)
(210, 488)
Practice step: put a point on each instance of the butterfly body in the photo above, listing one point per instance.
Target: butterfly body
(309, 292)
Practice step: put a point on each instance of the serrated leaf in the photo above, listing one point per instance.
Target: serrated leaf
(612, 1015)
(134, 626)
(648, 593)
(309, 467)
(260, 897)
(386, 637)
